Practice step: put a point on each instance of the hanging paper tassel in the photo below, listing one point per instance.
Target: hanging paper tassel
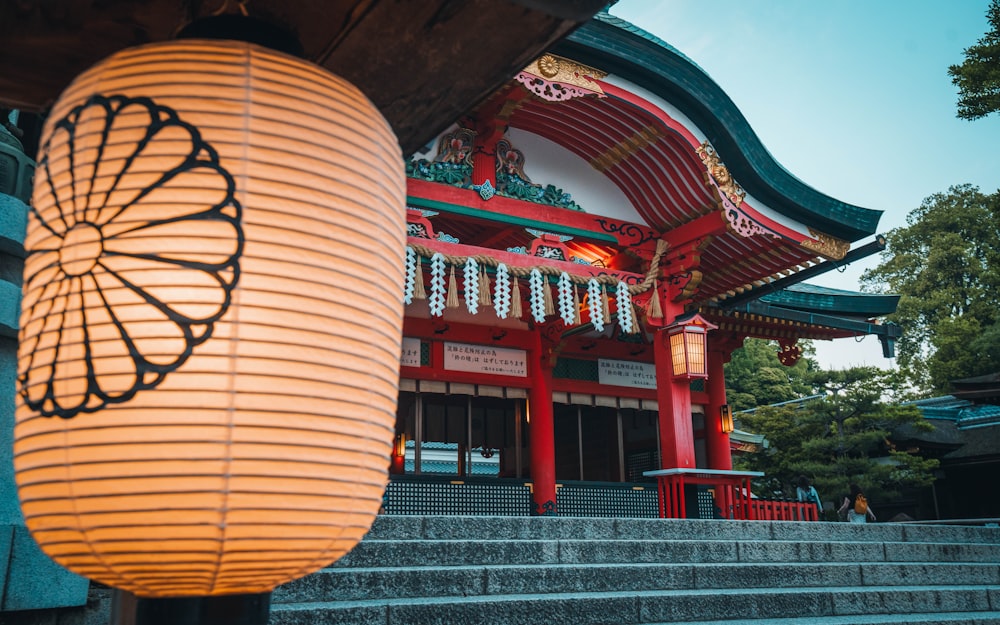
(503, 293)
(485, 298)
(471, 285)
(595, 303)
(625, 313)
(565, 287)
(515, 300)
(655, 311)
(411, 264)
(576, 305)
(538, 289)
(452, 301)
(436, 301)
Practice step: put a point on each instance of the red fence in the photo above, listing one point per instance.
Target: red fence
(731, 490)
(767, 510)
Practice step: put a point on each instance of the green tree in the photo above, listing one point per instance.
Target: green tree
(755, 376)
(978, 77)
(843, 437)
(945, 263)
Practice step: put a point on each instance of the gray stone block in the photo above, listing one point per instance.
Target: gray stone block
(909, 600)
(690, 529)
(13, 223)
(929, 574)
(777, 575)
(845, 532)
(347, 613)
(624, 551)
(394, 527)
(517, 528)
(950, 534)
(449, 553)
(941, 552)
(818, 552)
(583, 578)
(383, 583)
(568, 609)
(34, 581)
(714, 604)
(6, 546)
(10, 308)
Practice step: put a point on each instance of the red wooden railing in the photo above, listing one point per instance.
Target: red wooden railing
(771, 510)
(731, 490)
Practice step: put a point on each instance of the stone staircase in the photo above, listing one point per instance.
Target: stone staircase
(501, 571)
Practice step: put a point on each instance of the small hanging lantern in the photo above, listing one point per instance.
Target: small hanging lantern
(688, 346)
(726, 418)
(211, 321)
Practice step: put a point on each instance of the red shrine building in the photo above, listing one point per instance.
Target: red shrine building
(586, 248)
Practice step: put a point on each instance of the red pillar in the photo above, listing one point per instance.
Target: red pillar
(716, 441)
(542, 430)
(674, 398)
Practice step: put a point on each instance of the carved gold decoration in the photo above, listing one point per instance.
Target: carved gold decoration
(825, 245)
(625, 148)
(555, 78)
(548, 65)
(720, 174)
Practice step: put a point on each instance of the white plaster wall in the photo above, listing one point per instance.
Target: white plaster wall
(549, 163)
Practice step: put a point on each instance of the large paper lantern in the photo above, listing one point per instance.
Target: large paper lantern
(211, 321)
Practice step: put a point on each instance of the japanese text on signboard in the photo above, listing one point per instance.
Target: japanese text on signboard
(626, 373)
(485, 359)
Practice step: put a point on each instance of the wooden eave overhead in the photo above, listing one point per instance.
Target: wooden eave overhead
(654, 163)
(423, 63)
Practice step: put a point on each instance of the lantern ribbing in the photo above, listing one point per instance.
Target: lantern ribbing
(211, 323)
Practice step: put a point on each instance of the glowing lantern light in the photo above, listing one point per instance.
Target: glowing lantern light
(726, 418)
(688, 347)
(211, 322)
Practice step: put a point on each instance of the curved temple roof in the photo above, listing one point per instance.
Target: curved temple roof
(616, 46)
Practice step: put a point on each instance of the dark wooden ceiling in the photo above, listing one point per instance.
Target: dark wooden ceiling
(422, 62)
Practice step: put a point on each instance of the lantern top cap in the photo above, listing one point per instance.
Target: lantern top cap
(691, 321)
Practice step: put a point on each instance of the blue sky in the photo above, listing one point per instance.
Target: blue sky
(850, 96)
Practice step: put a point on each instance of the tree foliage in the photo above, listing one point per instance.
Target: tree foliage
(841, 438)
(978, 77)
(755, 376)
(945, 263)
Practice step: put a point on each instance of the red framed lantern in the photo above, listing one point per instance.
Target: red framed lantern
(688, 342)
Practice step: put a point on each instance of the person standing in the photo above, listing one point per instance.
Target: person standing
(805, 492)
(856, 506)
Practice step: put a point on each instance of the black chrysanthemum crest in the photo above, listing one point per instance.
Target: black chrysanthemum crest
(134, 243)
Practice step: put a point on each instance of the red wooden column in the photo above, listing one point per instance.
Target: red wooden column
(674, 398)
(716, 441)
(542, 423)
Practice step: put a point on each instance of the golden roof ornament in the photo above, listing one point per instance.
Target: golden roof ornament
(826, 246)
(720, 174)
(556, 79)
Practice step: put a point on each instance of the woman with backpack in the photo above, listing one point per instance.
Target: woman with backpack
(856, 505)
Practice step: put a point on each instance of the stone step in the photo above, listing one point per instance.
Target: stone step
(952, 618)
(336, 584)
(555, 528)
(656, 606)
(404, 553)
